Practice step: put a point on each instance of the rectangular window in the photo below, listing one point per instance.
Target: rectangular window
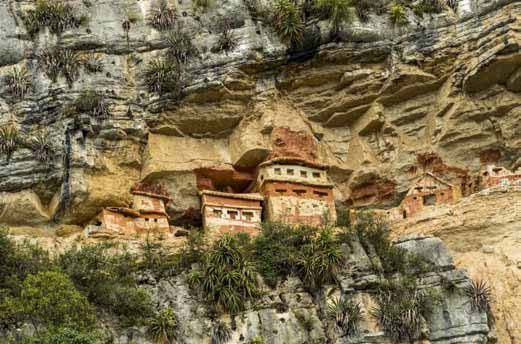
(303, 174)
(299, 192)
(281, 191)
(278, 171)
(429, 200)
(217, 212)
(233, 214)
(320, 194)
(248, 215)
(290, 171)
(316, 174)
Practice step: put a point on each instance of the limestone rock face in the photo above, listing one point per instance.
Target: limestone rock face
(482, 233)
(291, 314)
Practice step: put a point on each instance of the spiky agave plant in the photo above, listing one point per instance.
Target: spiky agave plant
(18, 81)
(164, 17)
(56, 15)
(9, 140)
(92, 63)
(227, 278)
(221, 333)
(163, 76)
(180, 46)
(398, 14)
(319, 261)
(227, 40)
(480, 295)
(338, 12)
(287, 21)
(346, 314)
(92, 103)
(402, 309)
(41, 146)
(58, 61)
(162, 326)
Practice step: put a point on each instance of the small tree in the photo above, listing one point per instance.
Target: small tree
(50, 299)
(162, 326)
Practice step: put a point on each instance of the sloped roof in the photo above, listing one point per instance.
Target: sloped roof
(294, 161)
(246, 196)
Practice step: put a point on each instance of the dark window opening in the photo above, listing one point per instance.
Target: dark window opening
(299, 192)
(278, 171)
(485, 174)
(281, 191)
(233, 214)
(248, 215)
(429, 200)
(316, 174)
(320, 194)
(290, 172)
(217, 212)
(404, 214)
(303, 174)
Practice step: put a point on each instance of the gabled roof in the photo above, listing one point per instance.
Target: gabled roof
(429, 174)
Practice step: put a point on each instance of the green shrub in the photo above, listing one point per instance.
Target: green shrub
(9, 140)
(287, 21)
(180, 46)
(163, 76)
(64, 335)
(41, 145)
(403, 308)
(157, 259)
(398, 14)
(226, 277)
(50, 299)
(256, 340)
(338, 12)
(193, 251)
(221, 333)
(363, 9)
(480, 296)
(54, 14)
(164, 17)
(347, 316)
(162, 326)
(92, 103)
(18, 81)
(108, 279)
(58, 61)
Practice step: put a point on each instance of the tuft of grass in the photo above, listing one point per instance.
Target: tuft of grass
(92, 103)
(162, 326)
(40, 144)
(287, 21)
(180, 46)
(9, 140)
(347, 316)
(480, 296)
(398, 14)
(54, 14)
(226, 277)
(18, 81)
(402, 309)
(221, 333)
(59, 61)
(163, 76)
(164, 17)
(92, 63)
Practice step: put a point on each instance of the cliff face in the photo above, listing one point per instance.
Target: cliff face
(379, 108)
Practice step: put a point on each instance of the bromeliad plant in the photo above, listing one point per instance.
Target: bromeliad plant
(18, 81)
(402, 308)
(164, 17)
(180, 46)
(347, 316)
(92, 103)
(9, 140)
(40, 144)
(162, 326)
(287, 21)
(338, 12)
(59, 61)
(398, 14)
(163, 76)
(480, 296)
(54, 14)
(226, 277)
